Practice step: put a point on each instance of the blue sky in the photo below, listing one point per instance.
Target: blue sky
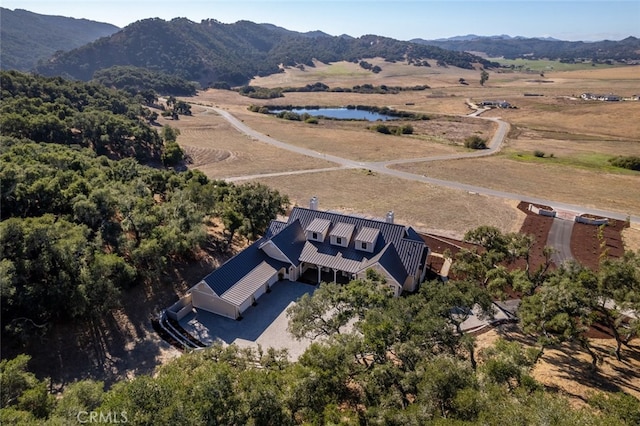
(399, 19)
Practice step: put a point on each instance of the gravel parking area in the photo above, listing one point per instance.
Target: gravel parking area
(264, 324)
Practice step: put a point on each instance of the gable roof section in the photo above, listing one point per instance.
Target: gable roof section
(274, 227)
(290, 241)
(331, 256)
(235, 269)
(318, 225)
(343, 230)
(367, 235)
(407, 243)
(248, 285)
(389, 259)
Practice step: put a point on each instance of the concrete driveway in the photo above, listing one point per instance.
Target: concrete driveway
(264, 324)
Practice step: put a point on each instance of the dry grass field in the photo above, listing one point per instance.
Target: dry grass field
(567, 369)
(610, 191)
(220, 151)
(427, 208)
(580, 134)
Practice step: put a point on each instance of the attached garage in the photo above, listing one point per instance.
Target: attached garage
(241, 295)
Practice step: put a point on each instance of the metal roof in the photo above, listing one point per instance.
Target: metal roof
(235, 269)
(290, 241)
(408, 245)
(367, 235)
(331, 256)
(317, 225)
(389, 259)
(398, 249)
(249, 284)
(343, 230)
(274, 227)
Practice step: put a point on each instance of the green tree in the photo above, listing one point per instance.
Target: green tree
(484, 76)
(614, 294)
(475, 142)
(560, 310)
(332, 306)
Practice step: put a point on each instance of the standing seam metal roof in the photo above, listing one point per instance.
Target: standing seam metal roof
(367, 235)
(397, 247)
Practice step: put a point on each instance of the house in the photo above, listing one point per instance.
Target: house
(314, 246)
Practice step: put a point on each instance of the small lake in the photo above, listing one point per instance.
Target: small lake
(340, 113)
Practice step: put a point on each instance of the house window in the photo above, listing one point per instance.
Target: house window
(363, 246)
(338, 240)
(315, 235)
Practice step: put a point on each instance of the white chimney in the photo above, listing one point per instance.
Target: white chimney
(389, 218)
(313, 204)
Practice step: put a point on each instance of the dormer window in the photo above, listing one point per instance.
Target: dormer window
(366, 239)
(317, 229)
(341, 234)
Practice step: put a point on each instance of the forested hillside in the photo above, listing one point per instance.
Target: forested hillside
(82, 219)
(212, 52)
(535, 48)
(28, 37)
(404, 363)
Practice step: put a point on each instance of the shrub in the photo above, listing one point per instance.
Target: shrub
(381, 128)
(630, 162)
(538, 153)
(407, 129)
(475, 142)
(311, 120)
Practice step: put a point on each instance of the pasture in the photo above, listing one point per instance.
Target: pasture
(580, 134)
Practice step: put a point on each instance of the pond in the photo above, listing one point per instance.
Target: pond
(339, 113)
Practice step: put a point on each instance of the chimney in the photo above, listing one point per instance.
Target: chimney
(313, 204)
(389, 218)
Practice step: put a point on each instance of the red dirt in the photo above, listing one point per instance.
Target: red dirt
(587, 247)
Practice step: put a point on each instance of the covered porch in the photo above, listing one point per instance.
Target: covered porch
(315, 274)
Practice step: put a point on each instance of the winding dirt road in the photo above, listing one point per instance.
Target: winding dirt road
(383, 167)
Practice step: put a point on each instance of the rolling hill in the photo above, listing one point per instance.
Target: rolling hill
(212, 52)
(28, 37)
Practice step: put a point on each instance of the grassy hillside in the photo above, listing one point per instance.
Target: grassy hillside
(212, 52)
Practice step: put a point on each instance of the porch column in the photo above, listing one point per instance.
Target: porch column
(319, 273)
(335, 275)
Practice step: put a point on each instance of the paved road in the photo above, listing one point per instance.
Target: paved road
(382, 167)
(559, 238)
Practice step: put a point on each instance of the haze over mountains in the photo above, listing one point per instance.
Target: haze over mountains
(212, 52)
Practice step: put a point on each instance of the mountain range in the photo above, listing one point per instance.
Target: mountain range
(211, 52)
(540, 48)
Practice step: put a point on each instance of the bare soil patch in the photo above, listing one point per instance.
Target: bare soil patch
(631, 237)
(589, 243)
